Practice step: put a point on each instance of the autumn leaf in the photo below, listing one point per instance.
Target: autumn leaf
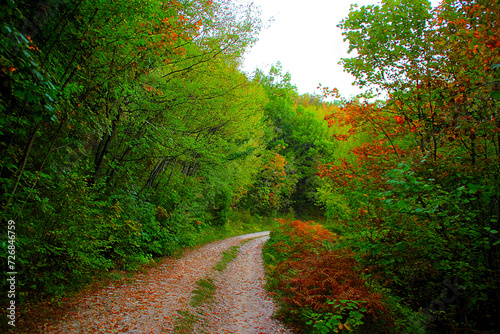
(400, 120)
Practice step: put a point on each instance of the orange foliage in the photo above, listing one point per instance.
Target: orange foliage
(312, 275)
(341, 137)
(400, 120)
(372, 161)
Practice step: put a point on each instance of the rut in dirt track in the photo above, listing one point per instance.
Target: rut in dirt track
(152, 303)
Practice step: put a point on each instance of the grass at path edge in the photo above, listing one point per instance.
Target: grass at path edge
(205, 290)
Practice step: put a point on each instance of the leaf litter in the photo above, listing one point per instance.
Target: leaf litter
(157, 299)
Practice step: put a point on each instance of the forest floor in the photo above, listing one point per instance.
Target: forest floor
(203, 291)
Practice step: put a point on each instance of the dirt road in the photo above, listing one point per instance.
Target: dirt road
(156, 301)
(241, 304)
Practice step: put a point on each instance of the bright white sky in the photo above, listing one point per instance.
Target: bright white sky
(304, 37)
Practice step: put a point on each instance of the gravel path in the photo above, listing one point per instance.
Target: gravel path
(241, 304)
(151, 304)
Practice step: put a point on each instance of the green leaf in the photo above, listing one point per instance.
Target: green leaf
(495, 94)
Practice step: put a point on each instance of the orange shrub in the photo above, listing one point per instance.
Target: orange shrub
(314, 277)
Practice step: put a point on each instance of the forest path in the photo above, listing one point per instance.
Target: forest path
(241, 304)
(151, 304)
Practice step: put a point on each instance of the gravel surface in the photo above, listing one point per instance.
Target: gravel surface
(241, 304)
(151, 304)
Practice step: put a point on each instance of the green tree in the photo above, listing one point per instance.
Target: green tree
(421, 197)
(126, 130)
(298, 138)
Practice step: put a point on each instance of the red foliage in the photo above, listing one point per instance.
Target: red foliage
(312, 275)
(400, 120)
(341, 137)
(326, 276)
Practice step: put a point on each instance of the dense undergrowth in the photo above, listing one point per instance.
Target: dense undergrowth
(325, 283)
(320, 285)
